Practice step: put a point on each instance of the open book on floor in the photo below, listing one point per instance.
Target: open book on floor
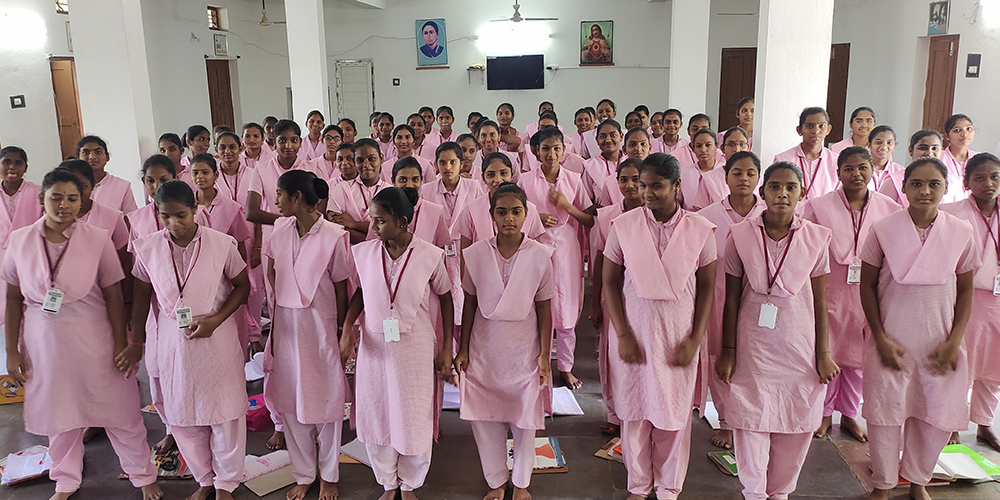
(549, 458)
(25, 465)
(725, 460)
(169, 465)
(612, 450)
(959, 462)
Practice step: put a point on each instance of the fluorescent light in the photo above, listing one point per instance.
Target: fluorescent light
(513, 39)
(20, 29)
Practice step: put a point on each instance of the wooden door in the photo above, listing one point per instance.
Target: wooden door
(939, 91)
(220, 93)
(739, 71)
(67, 98)
(836, 91)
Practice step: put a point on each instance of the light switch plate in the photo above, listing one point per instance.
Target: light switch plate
(17, 101)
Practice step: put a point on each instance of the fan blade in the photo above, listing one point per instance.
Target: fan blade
(502, 19)
(540, 18)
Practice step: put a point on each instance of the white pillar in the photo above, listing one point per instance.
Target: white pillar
(793, 69)
(113, 78)
(688, 80)
(307, 59)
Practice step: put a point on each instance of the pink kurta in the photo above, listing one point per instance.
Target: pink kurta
(475, 222)
(568, 261)
(266, 153)
(225, 216)
(477, 164)
(395, 381)
(501, 383)
(109, 220)
(820, 175)
(306, 379)
(354, 198)
(837, 147)
(114, 192)
(387, 148)
(427, 168)
(686, 157)
(570, 160)
(660, 261)
(917, 295)
(775, 387)
(202, 380)
(982, 335)
(310, 149)
(16, 212)
(72, 380)
(324, 169)
(143, 222)
(700, 189)
(428, 149)
(892, 186)
(596, 170)
(589, 147)
(956, 174)
(881, 177)
(850, 228)
(237, 186)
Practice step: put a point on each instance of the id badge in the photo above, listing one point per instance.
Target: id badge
(768, 315)
(391, 328)
(996, 286)
(450, 250)
(183, 314)
(53, 301)
(854, 274)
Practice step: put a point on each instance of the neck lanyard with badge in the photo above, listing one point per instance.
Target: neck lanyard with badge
(812, 178)
(768, 311)
(854, 269)
(53, 297)
(989, 235)
(390, 325)
(183, 313)
(236, 183)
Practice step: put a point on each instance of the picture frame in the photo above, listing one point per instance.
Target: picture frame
(221, 45)
(432, 43)
(597, 43)
(937, 21)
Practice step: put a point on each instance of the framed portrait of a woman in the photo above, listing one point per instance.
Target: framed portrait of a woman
(596, 43)
(432, 49)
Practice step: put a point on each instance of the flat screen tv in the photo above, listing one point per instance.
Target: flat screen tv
(515, 72)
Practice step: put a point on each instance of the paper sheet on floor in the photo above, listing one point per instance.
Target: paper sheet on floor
(711, 414)
(452, 397)
(356, 450)
(564, 402)
(255, 367)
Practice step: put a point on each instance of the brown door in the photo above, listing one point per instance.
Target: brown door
(836, 90)
(939, 91)
(67, 99)
(220, 93)
(739, 69)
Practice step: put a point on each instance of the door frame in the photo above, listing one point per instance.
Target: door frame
(76, 96)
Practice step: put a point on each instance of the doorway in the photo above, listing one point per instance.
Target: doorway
(67, 99)
(939, 91)
(836, 90)
(220, 93)
(355, 90)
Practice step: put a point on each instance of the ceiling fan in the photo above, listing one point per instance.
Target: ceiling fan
(264, 21)
(518, 18)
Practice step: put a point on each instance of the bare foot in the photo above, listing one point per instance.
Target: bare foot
(223, 495)
(61, 496)
(571, 381)
(986, 435)
(388, 495)
(521, 494)
(878, 494)
(165, 444)
(152, 492)
(298, 492)
(496, 493)
(918, 492)
(91, 433)
(277, 441)
(954, 438)
(723, 438)
(824, 427)
(853, 428)
(328, 491)
(611, 429)
(202, 493)
(408, 495)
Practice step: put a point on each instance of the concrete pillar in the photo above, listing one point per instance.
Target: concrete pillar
(793, 68)
(307, 59)
(688, 80)
(113, 79)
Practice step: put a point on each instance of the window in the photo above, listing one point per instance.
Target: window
(62, 6)
(214, 20)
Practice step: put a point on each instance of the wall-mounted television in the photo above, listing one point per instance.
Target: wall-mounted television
(515, 72)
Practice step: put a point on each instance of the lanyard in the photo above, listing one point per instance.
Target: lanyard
(767, 261)
(399, 277)
(53, 268)
(812, 178)
(413, 223)
(607, 165)
(236, 183)
(989, 227)
(187, 276)
(364, 196)
(856, 220)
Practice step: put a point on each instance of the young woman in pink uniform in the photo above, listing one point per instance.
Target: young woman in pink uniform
(862, 122)
(312, 142)
(199, 141)
(325, 165)
(982, 179)
(399, 358)
(430, 219)
(848, 213)
(199, 281)
(170, 145)
(775, 350)
(704, 182)
(503, 358)
(916, 378)
(350, 201)
(19, 207)
(561, 200)
(343, 165)
(960, 132)
(734, 140)
(511, 140)
(470, 150)
(817, 163)
(475, 223)
(445, 120)
(402, 137)
(660, 259)
(110, 191)
(923, 144)
(62, 273)
(350, 130)
(742, 176)
(310, 263)
(604, 165)
(881, 144)
(488, 136)
(255, 148)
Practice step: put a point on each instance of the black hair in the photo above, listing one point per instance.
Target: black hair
(387, 115)
(425, 108)
(851, 151)
(674, 111)
(431, 24)
(740, 155)
(194, 131)
(636, 130)
(239, 142)
(346, 145)
(927, 160)
(744, 101)
(445, 109)
(642, 108)
(977, 161)
(207, 159)
(546, 133)
(782, 165)
(87, 139)
(509, 106)
(494, 156)
(313, 188)
(610, 122)
(161, 161)
(254, 125)
(543, 103)
(463, 137)
(549, 115)
(367, 141)
(920, 134)
(349, 122)
(269, 119)
(396, 202)
(878, 130)
(610, 103)
(812, 110)
(328, 128)
(61, 175)
(859, 109)
(18, 151)
(400, 128)
(629, 162)
(582, 110)
(314, 113)
(406, 162)
(663, 165)
(374, 116)
(454, 147)
(473, 114)
(706, 131)
(172, 138)
(508, 188)
(285, 125)
(417, 115)
(222, 128)
(953, 119)
(486, 122)
(175, 190)
(698, 117)
(632, 113)
(80, 168)
(732, 130)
